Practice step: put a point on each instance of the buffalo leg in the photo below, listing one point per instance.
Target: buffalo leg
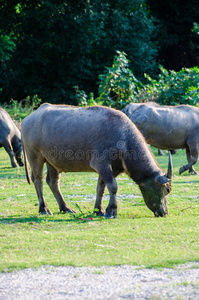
(36, 164)
(100, 193)
(111, 209)
(9, 150)
(52, 180)
(191, 169)
(192, 157)
(106, 173)
(160, 152)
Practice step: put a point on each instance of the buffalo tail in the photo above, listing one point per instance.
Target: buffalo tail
(26, 165)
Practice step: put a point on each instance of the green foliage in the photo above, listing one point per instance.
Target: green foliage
(20, 110)
(83, 99)
(61, 45)
(195, 28)
(117, 84)
(47, 47)
(172, 88)
(82, 215)
(7, 46)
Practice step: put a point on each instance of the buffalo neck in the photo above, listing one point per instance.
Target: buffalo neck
(140, 162)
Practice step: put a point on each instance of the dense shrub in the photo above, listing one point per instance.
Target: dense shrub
(19, 110)
(118, 86)
(172, 87)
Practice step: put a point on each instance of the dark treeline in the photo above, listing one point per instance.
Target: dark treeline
(47, 47)
(179, 45)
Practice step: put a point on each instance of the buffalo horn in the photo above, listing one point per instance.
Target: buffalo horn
(170, 168)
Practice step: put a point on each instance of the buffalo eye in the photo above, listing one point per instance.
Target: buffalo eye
(168, 189)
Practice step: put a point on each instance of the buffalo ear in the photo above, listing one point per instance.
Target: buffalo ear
(162, 179)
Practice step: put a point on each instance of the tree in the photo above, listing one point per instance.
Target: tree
(179, 45)
(7, 47)
(60, 45)
(118, 84)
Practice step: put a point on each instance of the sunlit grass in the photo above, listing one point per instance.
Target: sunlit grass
(29, 239)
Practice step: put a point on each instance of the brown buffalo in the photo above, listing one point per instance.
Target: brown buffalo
(10, 138)
(93, 139)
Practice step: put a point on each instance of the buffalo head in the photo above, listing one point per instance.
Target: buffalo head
(155, 191)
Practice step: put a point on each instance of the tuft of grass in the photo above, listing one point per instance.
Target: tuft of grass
(29, 239)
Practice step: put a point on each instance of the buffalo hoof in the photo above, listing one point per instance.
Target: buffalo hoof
(157, 215)
(46, 211)
(70, 211)
(193, 172)
(173, 152)
(14, 166)
(99, 213)
(181, 170)
(109, 216)
(66, 209)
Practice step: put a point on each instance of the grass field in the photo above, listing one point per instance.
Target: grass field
(28, 239)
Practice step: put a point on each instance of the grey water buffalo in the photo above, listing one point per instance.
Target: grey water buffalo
(129, 110)
(10, 138)
(93, 139)
(170, 127)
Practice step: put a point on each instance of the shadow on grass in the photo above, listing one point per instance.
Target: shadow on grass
(10, 172)
(42, 219)
(6, 168)
(47, 219)
(185, 182)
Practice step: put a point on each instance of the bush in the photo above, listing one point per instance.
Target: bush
(19, 110)
(172, 88)
(82, 98)
(118, 85)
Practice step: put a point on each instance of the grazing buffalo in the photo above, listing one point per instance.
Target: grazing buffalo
(10, 138)
(129, 110)
(93, 139)
(169, 127)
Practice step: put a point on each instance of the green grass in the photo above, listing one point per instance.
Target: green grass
(28, 239)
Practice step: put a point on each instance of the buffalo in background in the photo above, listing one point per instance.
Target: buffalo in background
(10, 138)
(169, 128)
(130, 108)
